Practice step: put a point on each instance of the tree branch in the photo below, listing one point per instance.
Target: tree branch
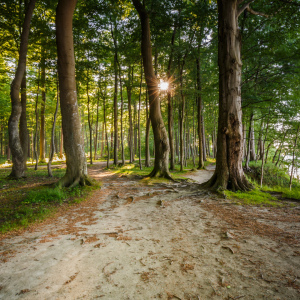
(257, 13)
(243, 7)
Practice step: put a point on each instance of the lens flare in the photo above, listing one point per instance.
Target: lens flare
(163, 85)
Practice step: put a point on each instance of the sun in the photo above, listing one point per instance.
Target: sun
(164, 85)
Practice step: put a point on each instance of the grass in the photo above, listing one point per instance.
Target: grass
(31, 199)
(255, 197)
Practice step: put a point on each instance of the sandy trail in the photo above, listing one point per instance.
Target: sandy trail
(166, 241)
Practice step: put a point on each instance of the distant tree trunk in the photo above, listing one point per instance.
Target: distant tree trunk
(147, 147)
(267, 152)
(76, 172)
(139, 119)
(115, 100)
(121, 118)
(181, 129)
(24, 135)
(105, 130)
(229, 172)
(18, 167)
(35, 143)
(203, 138)
(199, 115)
(89, 119)
(293, 160)
(263, 151)
(131, 158)
(96, 129)
(43, 107)
(52, 145)
(161, 162)
(252, 142)
(61, 145)
(249, 141)
(280, 149)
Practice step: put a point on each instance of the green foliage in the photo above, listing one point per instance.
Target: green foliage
(46, 195)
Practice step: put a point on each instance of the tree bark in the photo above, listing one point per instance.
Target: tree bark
(229, 173)
(76, 172)
(131, 158)
(18, 167)
(161, 141)
(121, 117)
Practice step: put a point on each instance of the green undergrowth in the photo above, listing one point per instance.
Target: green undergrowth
(34, 198)
(255, 197)
(275, 188)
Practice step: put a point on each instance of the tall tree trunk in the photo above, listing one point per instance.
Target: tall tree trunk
(263, 151)
(76, 172)
(115, 101)
(161, 141)
(35, 142)
(105, 130)
(131, 158)
(89, 119)
(203, 138)
(139, 119)
(24, 135)
(199, 116)
(229, 172)
(43, 107)
(18, 167)
(147, 146)
(96, 129)
(121, 118)
(52, 145)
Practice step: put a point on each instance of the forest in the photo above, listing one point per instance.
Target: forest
(113, 94)
(149, 149)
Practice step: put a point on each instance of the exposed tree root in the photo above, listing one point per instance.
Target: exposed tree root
(220, 183)
(161, 174)
(68, 181)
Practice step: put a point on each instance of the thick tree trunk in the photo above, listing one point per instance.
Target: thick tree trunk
(76, 172)
(18, 167)
(24, 135)
(161, 141)
(229, 173)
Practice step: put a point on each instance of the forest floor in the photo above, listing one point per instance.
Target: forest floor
(165, 240)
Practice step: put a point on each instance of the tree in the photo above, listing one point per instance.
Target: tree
(18, 168)
(161, 160)
(76, 172)
(229, 172)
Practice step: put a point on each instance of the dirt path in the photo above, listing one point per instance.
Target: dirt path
(166, 241)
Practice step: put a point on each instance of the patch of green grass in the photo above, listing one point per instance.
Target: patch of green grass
(22, 205)
(254, 197)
